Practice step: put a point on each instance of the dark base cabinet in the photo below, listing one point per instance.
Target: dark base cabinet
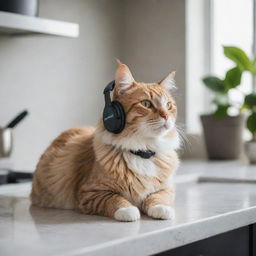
(239, 242)
(7, 176)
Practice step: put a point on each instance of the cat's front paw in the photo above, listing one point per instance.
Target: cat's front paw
(130, 213)
(163, 212)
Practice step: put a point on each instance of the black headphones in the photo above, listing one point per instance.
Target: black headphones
(113, 113)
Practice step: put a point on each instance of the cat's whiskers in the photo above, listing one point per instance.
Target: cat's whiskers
(184, 141)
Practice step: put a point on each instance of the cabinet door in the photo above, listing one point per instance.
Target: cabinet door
(252, 230)
(234, 243)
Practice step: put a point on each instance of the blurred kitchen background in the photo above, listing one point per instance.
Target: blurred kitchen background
(57, 71)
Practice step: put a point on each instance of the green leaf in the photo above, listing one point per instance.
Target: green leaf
(221, 111)
(239, 57)
(250, 100)
(214, 83)
(233, 78)
(244, 107)
(221, 99)
(251, 123)
(253, 67)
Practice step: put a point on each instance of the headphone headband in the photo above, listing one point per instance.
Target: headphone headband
(110, 87)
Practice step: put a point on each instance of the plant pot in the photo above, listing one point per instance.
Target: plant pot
(25, 7)
(250, 151)
(223, 137)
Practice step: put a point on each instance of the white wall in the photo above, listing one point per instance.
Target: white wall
(59, 80)
(198, 62)
(154, 42)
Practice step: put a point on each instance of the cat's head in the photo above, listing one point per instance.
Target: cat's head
(150, 108)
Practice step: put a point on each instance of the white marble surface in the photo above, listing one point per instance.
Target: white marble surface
(202, 210)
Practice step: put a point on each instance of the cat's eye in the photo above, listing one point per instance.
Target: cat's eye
(146, 103)
(169, 105)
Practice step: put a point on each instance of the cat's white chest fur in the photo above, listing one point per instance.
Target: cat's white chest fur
(146, 167)
(142, 166)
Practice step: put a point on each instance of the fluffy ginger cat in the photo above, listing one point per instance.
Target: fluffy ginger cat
(94, 171)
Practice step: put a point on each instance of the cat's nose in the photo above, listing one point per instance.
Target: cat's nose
(163, 114)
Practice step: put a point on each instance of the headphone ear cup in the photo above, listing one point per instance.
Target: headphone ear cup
(120, 120)
(114, 117)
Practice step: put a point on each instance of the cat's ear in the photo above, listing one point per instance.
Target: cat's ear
(123, 78)
(169, 81)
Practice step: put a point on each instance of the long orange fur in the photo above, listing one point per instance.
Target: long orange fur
(92, 171)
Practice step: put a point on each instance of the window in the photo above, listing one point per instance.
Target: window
(210, 25)
(232, 24)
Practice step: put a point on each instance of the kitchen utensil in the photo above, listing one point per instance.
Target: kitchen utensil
(6, 138)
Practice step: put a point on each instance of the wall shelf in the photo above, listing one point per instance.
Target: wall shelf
(11, 23)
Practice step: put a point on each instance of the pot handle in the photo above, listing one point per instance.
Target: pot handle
(17, 119)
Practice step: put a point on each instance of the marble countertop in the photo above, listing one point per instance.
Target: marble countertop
(203, 209)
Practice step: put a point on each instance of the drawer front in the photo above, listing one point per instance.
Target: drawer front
(238, 242)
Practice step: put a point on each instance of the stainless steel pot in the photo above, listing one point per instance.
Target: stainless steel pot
(6, 138)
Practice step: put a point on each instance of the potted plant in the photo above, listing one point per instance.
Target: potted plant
(247, 64)
(250, 146)
(223, 132)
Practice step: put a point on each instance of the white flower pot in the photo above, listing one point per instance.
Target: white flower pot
(250, 150)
